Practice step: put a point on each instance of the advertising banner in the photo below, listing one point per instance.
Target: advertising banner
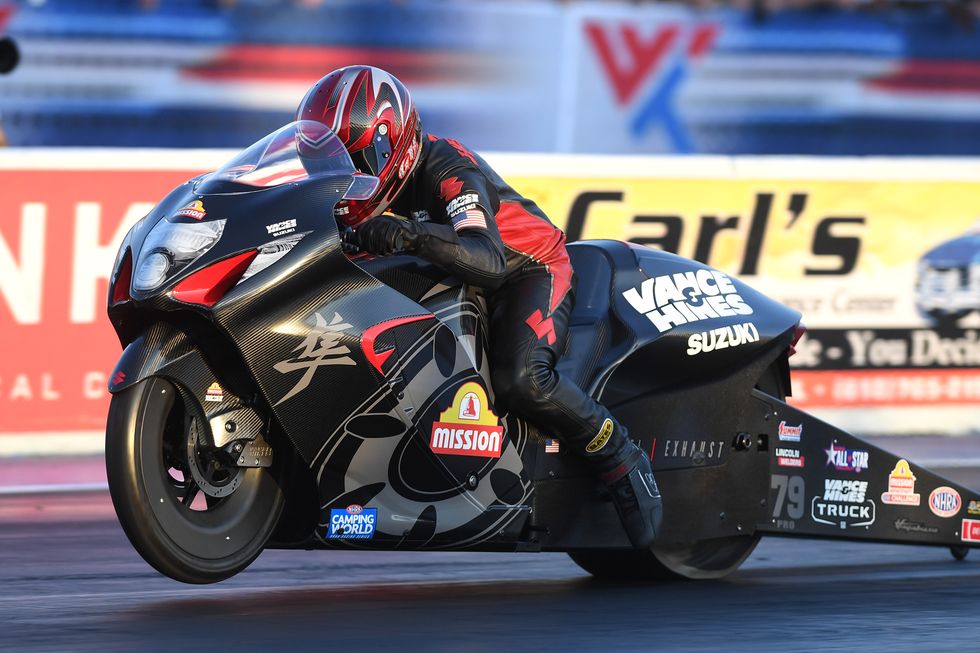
(60, 227)
(881, 257)
(885, 270)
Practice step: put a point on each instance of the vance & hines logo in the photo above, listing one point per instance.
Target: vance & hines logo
(843, 504)
(686, 297)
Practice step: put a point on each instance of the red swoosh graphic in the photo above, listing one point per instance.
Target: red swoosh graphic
(377, 359)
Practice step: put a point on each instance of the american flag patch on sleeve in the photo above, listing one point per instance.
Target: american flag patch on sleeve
(469, 219)
(551, 446)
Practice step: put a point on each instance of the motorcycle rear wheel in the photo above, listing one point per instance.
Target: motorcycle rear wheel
(146, 438)
(704, 560)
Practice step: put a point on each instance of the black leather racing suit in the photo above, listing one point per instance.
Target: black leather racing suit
(504, 243)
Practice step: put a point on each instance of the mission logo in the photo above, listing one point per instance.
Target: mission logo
(469, 426)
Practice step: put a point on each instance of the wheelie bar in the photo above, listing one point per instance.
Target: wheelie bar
(826, 482)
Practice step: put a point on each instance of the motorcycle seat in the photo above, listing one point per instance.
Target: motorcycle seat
(592, 325)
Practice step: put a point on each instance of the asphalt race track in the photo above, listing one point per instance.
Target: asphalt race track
(70, 581)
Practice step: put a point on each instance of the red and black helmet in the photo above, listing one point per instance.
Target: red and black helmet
(373, 114)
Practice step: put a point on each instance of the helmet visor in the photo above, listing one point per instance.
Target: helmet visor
(301, 150)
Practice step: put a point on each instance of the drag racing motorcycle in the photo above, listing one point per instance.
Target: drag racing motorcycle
(277, 392)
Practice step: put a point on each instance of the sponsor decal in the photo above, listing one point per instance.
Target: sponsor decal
(352, 523)
(193, 210)
(909, 526)
(843, 504)
(601, 438)
(970, 530)
(322, 346)
(945, 502)
(723, 338)
(787, 457)
(118, 377)
(699, 451)
(420, 216)
(682, 298)
(281, 228)
(901, 486)
(214, 393)
(409, 160)
(551, 445)
(461, 203)
(468, 427)
(846, 460)
(973, 507)
(789, 433)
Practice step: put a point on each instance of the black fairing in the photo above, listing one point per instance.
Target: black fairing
(357, 362)
(619, 353)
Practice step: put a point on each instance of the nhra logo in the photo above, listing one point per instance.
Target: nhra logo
(843, 504)
(684, 297)
(945, 502)
(469, 426)
(646, 71)
(352, 523)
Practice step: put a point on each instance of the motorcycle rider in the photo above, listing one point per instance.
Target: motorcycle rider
(459, 214)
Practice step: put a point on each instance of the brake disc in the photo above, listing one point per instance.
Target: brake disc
(215, 478)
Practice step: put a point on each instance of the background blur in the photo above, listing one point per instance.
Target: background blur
(766, 77)
(867, 221)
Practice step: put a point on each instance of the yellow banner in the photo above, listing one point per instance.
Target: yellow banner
(784, 229)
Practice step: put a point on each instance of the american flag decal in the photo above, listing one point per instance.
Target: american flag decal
(472, 218)
(551, 446)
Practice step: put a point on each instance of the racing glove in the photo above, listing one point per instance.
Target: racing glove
(387, 234)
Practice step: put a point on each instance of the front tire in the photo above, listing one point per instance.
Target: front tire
(182, 535)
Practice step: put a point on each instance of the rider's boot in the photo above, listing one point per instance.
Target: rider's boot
(628, 476)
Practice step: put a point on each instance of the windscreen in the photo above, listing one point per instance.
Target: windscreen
(301, 150)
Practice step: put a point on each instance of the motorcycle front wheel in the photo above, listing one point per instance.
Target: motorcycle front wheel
(188, 514)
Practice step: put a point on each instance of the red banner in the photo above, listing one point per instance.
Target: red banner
(59, 231)
(870, 387)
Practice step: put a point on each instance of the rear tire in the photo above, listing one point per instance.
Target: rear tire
(146, 440)
(702, 560)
